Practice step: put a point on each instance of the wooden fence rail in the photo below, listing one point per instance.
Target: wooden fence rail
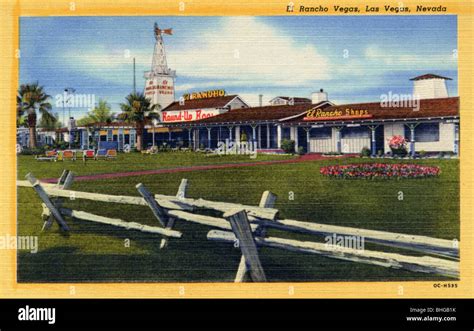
(429, 245)
(425, 264)
(248, 226)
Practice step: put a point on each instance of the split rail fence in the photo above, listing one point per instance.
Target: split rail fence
(245, 227)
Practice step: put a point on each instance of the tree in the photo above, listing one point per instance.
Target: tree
(30, 99)
(100, 114)
(137, 110)
(49, 122)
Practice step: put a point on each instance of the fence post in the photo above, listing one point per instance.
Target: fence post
(241, 228)
(267, 201)
(183, 187)
(65, 183)
(151, 202)
(44, 196)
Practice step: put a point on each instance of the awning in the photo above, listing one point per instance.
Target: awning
(164, 130)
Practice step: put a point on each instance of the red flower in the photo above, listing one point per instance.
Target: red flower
(379, 170)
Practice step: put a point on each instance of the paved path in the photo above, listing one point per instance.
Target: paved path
(304, 158)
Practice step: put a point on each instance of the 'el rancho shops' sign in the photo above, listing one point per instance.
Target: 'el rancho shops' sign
(317, 114)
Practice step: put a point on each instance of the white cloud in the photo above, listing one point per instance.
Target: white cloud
(246, 52)
(396, 59)
(242, 52)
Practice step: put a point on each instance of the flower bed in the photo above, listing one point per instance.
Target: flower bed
(379, 170)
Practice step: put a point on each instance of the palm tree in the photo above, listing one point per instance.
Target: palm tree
(32, 98)
(49, 123)
(138, 109)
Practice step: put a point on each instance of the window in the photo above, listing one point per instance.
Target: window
(320, 133)
(424, 132)
(285, 133)
(355, 132)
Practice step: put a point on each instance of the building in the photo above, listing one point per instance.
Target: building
(428, 119)
(278, 101)
(430, 122)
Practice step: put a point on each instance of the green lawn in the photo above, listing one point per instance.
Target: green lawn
(97, 253)
(131, 162)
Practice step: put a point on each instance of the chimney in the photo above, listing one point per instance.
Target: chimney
(260, 100)
(429, 86)
(317, 97)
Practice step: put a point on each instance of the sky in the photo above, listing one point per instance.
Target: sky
(353, 58)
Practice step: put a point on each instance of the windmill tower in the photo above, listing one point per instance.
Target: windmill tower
(159, 81)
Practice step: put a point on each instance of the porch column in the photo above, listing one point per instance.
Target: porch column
(237, 134)
(133, 138)
(278, 136)
(295, 135)
(197, 134)
(373, 147)
(308, 137)
(209, 138)
(338, 139)
(412, 138)
(254, 136)
(189, 138)
(88, 137)
(120, 138)
(456, 139)
(230, 133)
(268, 136)
(259, 134)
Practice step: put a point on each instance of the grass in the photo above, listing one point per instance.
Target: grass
(131, 162)
(97, 253)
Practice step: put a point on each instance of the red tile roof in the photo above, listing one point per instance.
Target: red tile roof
(429, 76)
(428, 108)
(258, 114)
(217, 102)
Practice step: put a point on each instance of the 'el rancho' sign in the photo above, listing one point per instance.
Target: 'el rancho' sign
(204, 95)
(337, 114)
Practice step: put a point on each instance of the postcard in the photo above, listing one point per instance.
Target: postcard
(289, 151)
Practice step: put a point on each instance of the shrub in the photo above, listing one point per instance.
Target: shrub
(33, 151)
(61, 145)
(365, 152)
(300, 150)
(398, 145)
(243, 137)
(288, 146)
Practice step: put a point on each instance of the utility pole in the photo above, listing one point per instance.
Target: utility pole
(134, 78)
(68, 91)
